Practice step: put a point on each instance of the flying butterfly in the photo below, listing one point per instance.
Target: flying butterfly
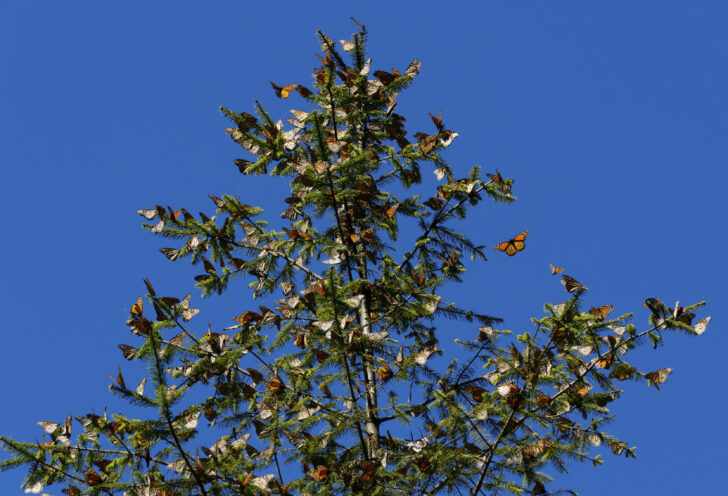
(513, 246)
(555, 270)
(602, 311)
(283, 91)
(303, 91)
(571, 284)
(658, 376)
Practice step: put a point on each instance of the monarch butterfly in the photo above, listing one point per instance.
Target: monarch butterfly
(327, 61)
(622, 372)
(283, 91)
(605, 362)
(321, 473)
(618, 330)
(701, 326)
(582, 391)
(504, 185)
(303, 91)
(413, 69)
(602, 311)
(681, 315)
(571, 284)
(418, 277)
(506, 389)
(136, 308)
(148, 213)
(437, 121)
(658, 376)
(555, 270)
(654, 305)
(262, 481)
(347, 46)
(513, 246)
(476, 392)
(385, 77)
(385, 372)
(92, 477)
(275, 384)
(128, 351)
(496, 178)
(245, 121)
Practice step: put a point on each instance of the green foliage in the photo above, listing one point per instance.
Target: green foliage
(335, 390)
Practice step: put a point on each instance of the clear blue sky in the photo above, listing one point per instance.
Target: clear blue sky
(611, 116)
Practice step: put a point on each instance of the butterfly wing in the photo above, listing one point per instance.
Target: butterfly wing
(519, 241)
(502, 246)
(437, 121)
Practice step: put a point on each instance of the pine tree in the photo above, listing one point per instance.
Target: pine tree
(333, 388)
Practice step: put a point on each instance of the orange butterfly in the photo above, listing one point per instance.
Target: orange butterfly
(321, 473)
(385, 372)
(497, 178)
(513, 246)
(437, 121)
(658, 376)
(504, 185)
(601, 312)
(283, 91)
(136, 308)
(555, 270)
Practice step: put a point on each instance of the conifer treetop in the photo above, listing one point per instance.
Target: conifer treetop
(336, 377)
